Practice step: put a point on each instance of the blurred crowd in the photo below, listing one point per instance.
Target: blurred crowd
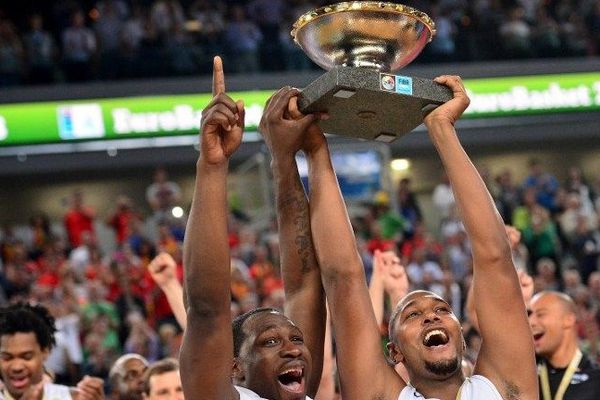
(107, 304)
(68, 40)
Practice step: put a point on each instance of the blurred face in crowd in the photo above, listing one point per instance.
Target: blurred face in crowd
(165, 386)
(427, 337)
(130, 382)
(21, 362)
(552, 322)
(273, 361)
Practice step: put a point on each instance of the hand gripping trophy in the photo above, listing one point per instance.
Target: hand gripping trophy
(362, 44)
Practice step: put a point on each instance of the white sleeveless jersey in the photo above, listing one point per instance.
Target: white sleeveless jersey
(247, 394)
(51, 392)
(476, 387)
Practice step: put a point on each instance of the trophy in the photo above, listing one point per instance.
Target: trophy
(362, 44)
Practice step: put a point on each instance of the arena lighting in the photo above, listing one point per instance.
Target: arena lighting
(400, 164)
(177, 212)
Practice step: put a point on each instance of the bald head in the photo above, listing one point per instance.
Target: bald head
(553, 321)
(563, 300)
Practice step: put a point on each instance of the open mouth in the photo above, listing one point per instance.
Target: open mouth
(538, 336)
(19, 382)
(435, 338)
(292, 380)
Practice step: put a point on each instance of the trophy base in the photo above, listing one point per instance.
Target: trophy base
(369, 104)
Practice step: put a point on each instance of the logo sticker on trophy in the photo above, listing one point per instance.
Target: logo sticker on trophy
(362, 45)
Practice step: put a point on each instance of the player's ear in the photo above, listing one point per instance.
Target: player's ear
(237, 372)
(395, 353)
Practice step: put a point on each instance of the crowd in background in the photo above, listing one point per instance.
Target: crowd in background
(68, 40)
(107, 304)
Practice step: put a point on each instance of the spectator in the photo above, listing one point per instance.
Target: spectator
(40, 51)
(79, 49)
(29, 330)
(11, 55)
(408, 206)
(508, 196)
(108, 28)
(78, 219)
(162, 195)
(126, 377)
(166, 15)
(544, 183)
(267, 15)
(443, 198)
(242, 38)
(122, 218)
(516, 34)
(162, 380)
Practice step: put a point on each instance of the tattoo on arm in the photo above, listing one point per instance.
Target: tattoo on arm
(296, 200)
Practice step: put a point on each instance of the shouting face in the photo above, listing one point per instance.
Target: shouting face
(273, 360)
(426, 336)
(552, 319)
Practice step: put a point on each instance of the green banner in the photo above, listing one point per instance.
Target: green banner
(118, 118)
(154, 116)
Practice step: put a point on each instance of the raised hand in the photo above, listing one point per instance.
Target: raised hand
(90, 388)
(514, 236)
(163, 269)
(314, 138)
(527, 288)
(222, 121)
(453, 109)
(284, 134)
(395, 280)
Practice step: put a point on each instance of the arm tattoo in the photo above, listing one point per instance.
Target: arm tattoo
(295, 199)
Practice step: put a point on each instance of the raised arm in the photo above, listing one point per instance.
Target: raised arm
(163, 270)
(507, 354)
(359, 350)
(208, 338)
(305, 299)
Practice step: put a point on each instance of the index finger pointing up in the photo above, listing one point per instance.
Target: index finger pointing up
(218, 84)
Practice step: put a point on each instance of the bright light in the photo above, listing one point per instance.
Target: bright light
(400, 164)
(177, 212)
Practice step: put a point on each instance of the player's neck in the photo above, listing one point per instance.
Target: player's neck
(446, 389)
(564, 354)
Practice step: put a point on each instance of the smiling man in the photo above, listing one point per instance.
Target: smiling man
(161, 381)
(126, 377)
(564, 371)
(425, 335)
(263, 354)
(26, 338)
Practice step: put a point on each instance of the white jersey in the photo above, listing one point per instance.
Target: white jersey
(247, 394)
(51, 392)
(476, 387)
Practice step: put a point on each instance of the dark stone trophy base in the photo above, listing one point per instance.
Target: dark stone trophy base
(366, 103)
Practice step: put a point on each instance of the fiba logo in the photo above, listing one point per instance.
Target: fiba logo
(80, 121)
(388, 82)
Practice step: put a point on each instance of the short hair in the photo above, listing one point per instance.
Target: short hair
(397, 309)
(117, 369)
(158, 368)
(29, 318)
(237, 327)
(564, 299)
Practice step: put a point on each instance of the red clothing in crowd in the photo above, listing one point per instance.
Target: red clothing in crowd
(121, 222)
(77, 222)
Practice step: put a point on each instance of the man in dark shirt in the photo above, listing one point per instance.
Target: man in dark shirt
(564, 371)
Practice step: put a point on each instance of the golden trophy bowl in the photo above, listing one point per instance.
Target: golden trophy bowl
(362, 44)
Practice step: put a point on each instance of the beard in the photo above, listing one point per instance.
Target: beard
(444, 367)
